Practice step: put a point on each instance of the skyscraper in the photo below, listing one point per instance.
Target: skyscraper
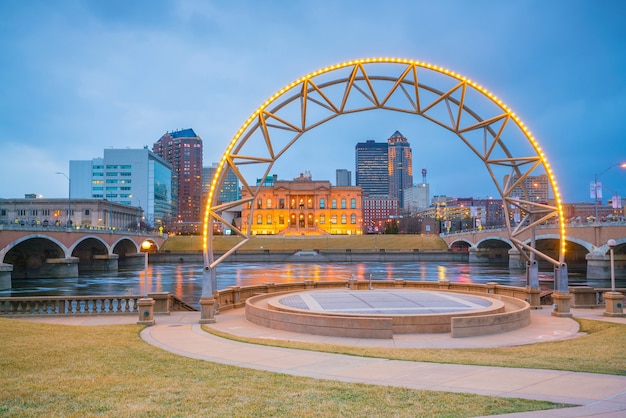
(183, 150)
(372, 173)
(230, 186)
(400, 166)
(343, 177)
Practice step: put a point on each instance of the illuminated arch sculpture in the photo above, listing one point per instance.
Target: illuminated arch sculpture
(480, 120)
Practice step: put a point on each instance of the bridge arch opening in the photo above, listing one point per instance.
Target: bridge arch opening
(125, 247)
(481, 121)
(29, 257)
(498, 249)
(620, 249)
(460, 245)
(88, 251)
(576, 255)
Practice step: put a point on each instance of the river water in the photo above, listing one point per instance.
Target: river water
(185, 280)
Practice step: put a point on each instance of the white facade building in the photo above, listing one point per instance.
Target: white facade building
(416, 198)
(134, 177)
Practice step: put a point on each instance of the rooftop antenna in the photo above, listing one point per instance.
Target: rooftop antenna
(424, 171)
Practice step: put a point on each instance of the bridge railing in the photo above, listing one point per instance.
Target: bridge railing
(547, 226)
(82, 229)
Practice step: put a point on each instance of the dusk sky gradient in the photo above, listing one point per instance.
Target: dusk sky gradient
(82, 76)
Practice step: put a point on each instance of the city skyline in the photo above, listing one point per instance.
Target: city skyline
(84, 77)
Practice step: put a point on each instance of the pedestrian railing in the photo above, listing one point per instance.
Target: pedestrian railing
(69, 305)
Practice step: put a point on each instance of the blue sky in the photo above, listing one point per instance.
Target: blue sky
(81, 76)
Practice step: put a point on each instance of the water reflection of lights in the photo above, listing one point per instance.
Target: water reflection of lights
(185, 280)
(464, 275)
(179, 281)
(423, 272)
(441, 272)
(389, 271)
(360, 271)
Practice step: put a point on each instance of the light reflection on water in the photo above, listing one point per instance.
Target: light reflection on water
(185, 280)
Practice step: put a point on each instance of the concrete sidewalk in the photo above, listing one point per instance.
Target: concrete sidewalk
(598, 395)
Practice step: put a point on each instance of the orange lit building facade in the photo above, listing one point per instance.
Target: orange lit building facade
(303, 207)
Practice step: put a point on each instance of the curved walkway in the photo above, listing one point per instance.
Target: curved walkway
(599, 395)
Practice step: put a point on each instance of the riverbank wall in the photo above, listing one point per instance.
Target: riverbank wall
(313, 256)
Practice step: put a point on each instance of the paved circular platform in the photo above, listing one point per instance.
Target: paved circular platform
(385, 302)
(381, 313)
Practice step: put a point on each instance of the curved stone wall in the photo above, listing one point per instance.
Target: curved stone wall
(498, 314)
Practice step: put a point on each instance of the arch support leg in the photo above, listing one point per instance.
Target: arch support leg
(561, 295)
(207, 300)
(532, 274)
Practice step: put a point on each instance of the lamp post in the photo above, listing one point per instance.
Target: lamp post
(145, 305)
(598, 187)
(613, 300)
(145, 246)
(611, 244)
(69, 198)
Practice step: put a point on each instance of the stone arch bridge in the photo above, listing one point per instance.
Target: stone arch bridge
(587, 250)
(35, 252)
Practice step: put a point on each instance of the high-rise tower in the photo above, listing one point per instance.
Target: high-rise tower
(372, 173)
(343, 177)
(400, 166)
(183, 150)
(230, 186)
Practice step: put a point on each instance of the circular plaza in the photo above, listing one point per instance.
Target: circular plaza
(381, 313)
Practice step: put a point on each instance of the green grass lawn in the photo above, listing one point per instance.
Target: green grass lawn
(75, 371)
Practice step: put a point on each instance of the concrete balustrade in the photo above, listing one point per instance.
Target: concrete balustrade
(164, 303)
(69, 305)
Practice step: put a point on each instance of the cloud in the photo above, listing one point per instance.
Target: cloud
(83, 76)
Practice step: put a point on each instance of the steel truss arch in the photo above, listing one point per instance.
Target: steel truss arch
(490, 129)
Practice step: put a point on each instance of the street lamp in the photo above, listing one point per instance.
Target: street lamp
(597, 188)
(69, 197)
(611, 244)
(145, 305)
(145, 246)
